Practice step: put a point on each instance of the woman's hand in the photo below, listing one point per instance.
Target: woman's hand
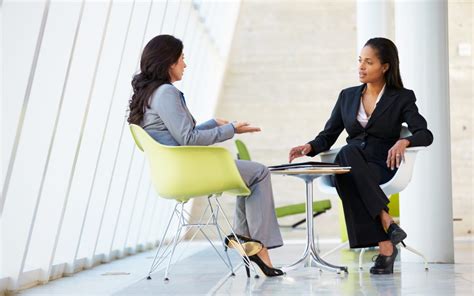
(396, 154)
(244, 127)
(221, 121)
(299, 151)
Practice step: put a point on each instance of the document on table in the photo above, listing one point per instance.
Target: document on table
(308, 166)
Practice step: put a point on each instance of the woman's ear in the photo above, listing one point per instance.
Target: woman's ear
(171, 68)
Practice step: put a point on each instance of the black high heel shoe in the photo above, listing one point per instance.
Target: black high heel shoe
(396, 234)
(267, 270)
(384, 264)
(244, 245)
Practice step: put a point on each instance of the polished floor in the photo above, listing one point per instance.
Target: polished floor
(200, 272)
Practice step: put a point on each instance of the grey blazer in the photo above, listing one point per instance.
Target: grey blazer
(169, 121)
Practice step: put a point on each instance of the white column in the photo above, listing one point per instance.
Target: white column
(372, 20)
(426, 205)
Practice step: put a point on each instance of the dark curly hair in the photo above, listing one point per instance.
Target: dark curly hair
(158, 56)
(387, 52)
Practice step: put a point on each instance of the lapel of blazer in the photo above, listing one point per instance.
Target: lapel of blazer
(354, 106)
(183, 100)
(386, 100)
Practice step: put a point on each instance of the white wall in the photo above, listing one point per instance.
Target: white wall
(75, 191)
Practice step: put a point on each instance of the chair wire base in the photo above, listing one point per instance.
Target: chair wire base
(183, 218)
(362, 252)
(408, 248)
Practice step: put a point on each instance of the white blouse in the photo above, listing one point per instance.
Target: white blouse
(362, 117)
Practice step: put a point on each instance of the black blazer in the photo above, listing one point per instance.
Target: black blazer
(395, 107)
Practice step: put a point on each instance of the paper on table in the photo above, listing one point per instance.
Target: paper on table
(306, 165)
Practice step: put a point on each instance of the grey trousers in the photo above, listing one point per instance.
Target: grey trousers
(255, 214)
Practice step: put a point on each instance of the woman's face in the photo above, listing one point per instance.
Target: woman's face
(371, 70)
(177, 69)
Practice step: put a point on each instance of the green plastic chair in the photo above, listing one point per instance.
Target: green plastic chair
(242, 151)
(319, 207)
(185, 172)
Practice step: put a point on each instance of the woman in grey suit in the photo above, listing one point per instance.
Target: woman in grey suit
(160, 108)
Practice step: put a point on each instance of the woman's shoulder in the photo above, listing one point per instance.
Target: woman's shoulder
(352, 89)
(167, 88)
(164, 94)
(351, 92)
(166, 91)
(403, 93)
(406, 91)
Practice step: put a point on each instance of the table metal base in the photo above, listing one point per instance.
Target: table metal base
(310, 255)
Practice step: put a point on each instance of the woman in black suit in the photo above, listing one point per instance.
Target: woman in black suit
(372, 115)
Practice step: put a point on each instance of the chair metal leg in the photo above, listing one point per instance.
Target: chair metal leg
(361, 257)
(216, 216)
(182, 215)
(337, 248)
(408, 248)
(212, 220)
(244, 257)
(166, 251)
(199, 225)
(214, 247)
(153, 266)
(175, 241)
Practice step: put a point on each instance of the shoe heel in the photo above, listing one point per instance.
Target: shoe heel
(390, 269)
(266, 270)
(247, 267)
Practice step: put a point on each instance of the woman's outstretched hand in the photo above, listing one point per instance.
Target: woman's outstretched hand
(396, 154)
(299, 151)
(245, 127)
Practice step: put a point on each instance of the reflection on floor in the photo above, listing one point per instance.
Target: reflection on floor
(201, 272)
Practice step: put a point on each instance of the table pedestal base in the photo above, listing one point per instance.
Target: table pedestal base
(310, 256)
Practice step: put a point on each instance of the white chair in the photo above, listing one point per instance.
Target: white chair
(395, 185)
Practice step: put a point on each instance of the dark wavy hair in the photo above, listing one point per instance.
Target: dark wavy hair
(387, 52)
(158, 56)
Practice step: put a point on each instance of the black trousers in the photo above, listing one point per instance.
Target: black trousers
(362, 198)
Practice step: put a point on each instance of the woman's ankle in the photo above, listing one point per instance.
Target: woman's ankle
(265, 256)
(385, 219)
(386, 248)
